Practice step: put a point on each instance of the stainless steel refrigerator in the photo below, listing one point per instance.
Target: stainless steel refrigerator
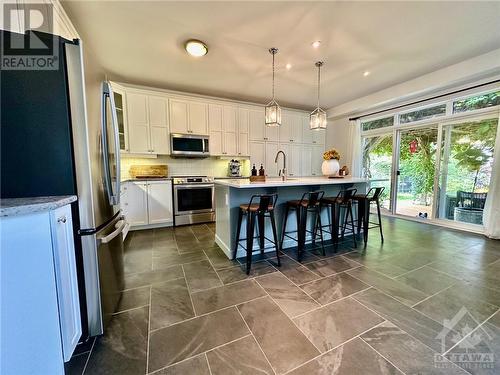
(45, 151)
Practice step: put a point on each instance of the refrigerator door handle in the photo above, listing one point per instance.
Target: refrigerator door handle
(119, 228)
(107, 94)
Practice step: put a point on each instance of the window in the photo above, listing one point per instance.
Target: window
(377, 124)
(477, 102)
(422, 114)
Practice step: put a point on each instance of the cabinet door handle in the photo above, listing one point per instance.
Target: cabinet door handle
(62, 219)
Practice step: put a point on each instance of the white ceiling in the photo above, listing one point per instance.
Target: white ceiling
(141, 42)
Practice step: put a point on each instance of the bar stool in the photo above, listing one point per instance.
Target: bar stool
(364, 203)
(259, 211)
(343, 200)
(310, 202)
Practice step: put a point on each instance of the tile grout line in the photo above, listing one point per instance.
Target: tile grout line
(151, 284)
(335, 347)
(207, 313)
(471, 332)
(127, 310)
(189, 292)
(210, 262)
(432, 295)
(208, 363)
(286, 315)
(253, 336)
(201, 353)
(149, 328)
(407, 272)
(380, 354)
(88, 358)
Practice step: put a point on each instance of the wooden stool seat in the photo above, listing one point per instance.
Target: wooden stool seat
(254, 207)
(298, 202)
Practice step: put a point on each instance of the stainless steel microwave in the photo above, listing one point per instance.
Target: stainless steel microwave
(189, 145)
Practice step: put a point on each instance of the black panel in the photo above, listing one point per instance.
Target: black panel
(36, 146)
(194, 199)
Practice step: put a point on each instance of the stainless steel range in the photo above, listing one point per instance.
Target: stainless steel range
(193, 199)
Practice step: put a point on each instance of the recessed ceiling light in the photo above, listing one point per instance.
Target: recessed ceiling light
(366, 73)
(316, 43)
(288, 66)
(196, 48)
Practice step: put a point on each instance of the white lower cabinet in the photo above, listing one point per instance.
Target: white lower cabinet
(159, 202)
(39, 292)
(149, 203)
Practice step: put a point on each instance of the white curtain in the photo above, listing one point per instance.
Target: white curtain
(356, 152)
(491, 214)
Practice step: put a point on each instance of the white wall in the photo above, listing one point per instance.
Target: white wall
(338, 135)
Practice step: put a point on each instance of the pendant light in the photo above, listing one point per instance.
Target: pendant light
(317, 118)
(273, 110)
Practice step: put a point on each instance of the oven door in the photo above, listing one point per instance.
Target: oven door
(193, 199)
(189, 145)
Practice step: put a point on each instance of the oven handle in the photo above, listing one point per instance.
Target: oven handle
(199, 186)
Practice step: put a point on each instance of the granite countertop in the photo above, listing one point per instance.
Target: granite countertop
(299, 181)
(22, 206)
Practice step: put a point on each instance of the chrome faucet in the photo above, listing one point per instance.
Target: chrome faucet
(282, 172)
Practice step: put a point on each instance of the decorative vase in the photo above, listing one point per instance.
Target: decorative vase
(330, 167)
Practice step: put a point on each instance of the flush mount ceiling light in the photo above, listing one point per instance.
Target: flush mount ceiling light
(273, 110)
(317, 118)
(196, 48)
(316, 43)
(366, 73)
(288, 66)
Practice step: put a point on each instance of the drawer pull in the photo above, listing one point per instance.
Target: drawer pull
(62, 219)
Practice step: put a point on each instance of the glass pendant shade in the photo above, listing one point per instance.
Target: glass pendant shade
(273, 110)
(273, 114)
(317, 119)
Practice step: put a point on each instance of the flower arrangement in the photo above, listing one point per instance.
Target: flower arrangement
(331, 154)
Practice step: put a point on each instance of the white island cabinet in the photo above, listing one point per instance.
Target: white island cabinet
(39, 291)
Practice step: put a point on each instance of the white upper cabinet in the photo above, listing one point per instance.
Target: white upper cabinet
(243, 129)
(188, 117)
(285, 128)
(307, 133)
(296, 128)
(121, 117)
(229, 115)
(147, 123)
(272, 133)
(178, 116)
(318, 137)
(138, 122)
(215, 117)
(198, 118)
(230, 143)
(158, 124)
(257, 130)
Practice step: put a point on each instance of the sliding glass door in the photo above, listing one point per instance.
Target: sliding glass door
(416, 171)
(465, 168)
(377, 163)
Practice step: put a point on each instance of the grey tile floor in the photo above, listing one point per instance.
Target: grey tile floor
(424, 302)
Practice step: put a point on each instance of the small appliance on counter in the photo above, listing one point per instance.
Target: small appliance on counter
(148, 171)
(234, 169)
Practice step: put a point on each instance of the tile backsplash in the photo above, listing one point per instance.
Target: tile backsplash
(179, 166)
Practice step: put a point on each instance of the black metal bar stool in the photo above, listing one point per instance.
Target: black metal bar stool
(310, 202)
(364, 203)
(259, 211)
(343, 200)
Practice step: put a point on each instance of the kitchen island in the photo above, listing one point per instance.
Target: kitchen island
(230, 194)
